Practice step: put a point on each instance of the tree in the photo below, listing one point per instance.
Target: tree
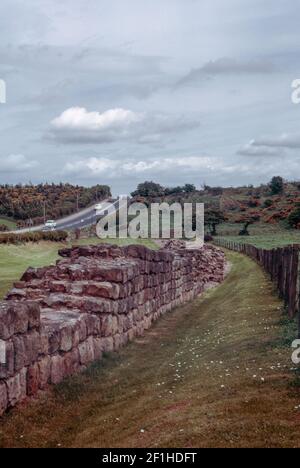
(188, 188)
(247, 220)
(294, 217)
(149, 189)
(212, 218)
(277, 185)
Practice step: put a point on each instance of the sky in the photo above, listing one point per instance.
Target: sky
(121, 91)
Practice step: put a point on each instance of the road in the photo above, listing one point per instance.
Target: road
(82, 219)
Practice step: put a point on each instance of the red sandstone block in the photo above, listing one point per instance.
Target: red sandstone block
(107, 344)
(16, 294)
(33, 379)
(44, 371)
(53, 340)
(86, 351)
(120, 340)
(16, 387)
(16, 317)
(93, 324)
(66, 337)
(109, 325)
(121, 323)
(71, 362)
(128, 322)
(104, 289)
(32, 342)
(3, 398)
(19, 352)
(58, 286)
(140, 329)
(57, 372)
(82, 329)
(97, 348)
(136, 251)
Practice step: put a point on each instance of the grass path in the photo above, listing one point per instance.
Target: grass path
(214, 373)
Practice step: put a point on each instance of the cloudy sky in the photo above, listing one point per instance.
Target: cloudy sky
(121, 91)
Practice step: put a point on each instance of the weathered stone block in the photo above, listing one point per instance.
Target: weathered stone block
(57, 369)
(107, 344)
(66, 337)
(3, 398)
(19, 352)
(93, 324)
(34, 315)
(6, 321)
(104, 289)
(71, 362)
(109, 325)
(32, 342)
(16, 387)
(97, 348)
(44, 371)
(86, 351)
(33, 379)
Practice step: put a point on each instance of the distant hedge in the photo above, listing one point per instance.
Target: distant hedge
(35, 236)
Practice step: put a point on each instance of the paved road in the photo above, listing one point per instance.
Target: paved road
(83, 218)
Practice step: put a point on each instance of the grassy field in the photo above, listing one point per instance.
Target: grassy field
(214, 373)
(11, 224)
(257, 229)
(15, 259)
(269, 240)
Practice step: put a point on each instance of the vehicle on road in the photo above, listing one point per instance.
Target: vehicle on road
(98, 207)
(50, 225)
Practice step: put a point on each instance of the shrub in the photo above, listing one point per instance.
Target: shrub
(253, 203)
(268, 203)
(277, 185)
(33, 236)
(294, 217)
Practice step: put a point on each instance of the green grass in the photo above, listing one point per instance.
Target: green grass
(268, 240)
(232, 229)
(209, 374)
(10, 223)
(15, 259)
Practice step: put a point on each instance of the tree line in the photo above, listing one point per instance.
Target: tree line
(31, 203)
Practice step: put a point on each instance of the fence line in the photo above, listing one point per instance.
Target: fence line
(283, 266)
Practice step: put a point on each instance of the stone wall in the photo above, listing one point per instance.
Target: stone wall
(58, 319)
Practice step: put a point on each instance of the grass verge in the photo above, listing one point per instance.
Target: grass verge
(268, 240)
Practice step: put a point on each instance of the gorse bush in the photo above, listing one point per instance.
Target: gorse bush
(36, 236)
(26, 203)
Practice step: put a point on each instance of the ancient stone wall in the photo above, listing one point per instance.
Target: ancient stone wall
(58, 319)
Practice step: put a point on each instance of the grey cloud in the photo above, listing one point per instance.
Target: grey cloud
(55, 55)
(252, 149)
(291, 141)
(227, 66)
(15, 163)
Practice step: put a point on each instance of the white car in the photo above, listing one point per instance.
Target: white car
(98, 207)
(50, 224)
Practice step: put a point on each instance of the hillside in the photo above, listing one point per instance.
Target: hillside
(27, 204)
(266, 207)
